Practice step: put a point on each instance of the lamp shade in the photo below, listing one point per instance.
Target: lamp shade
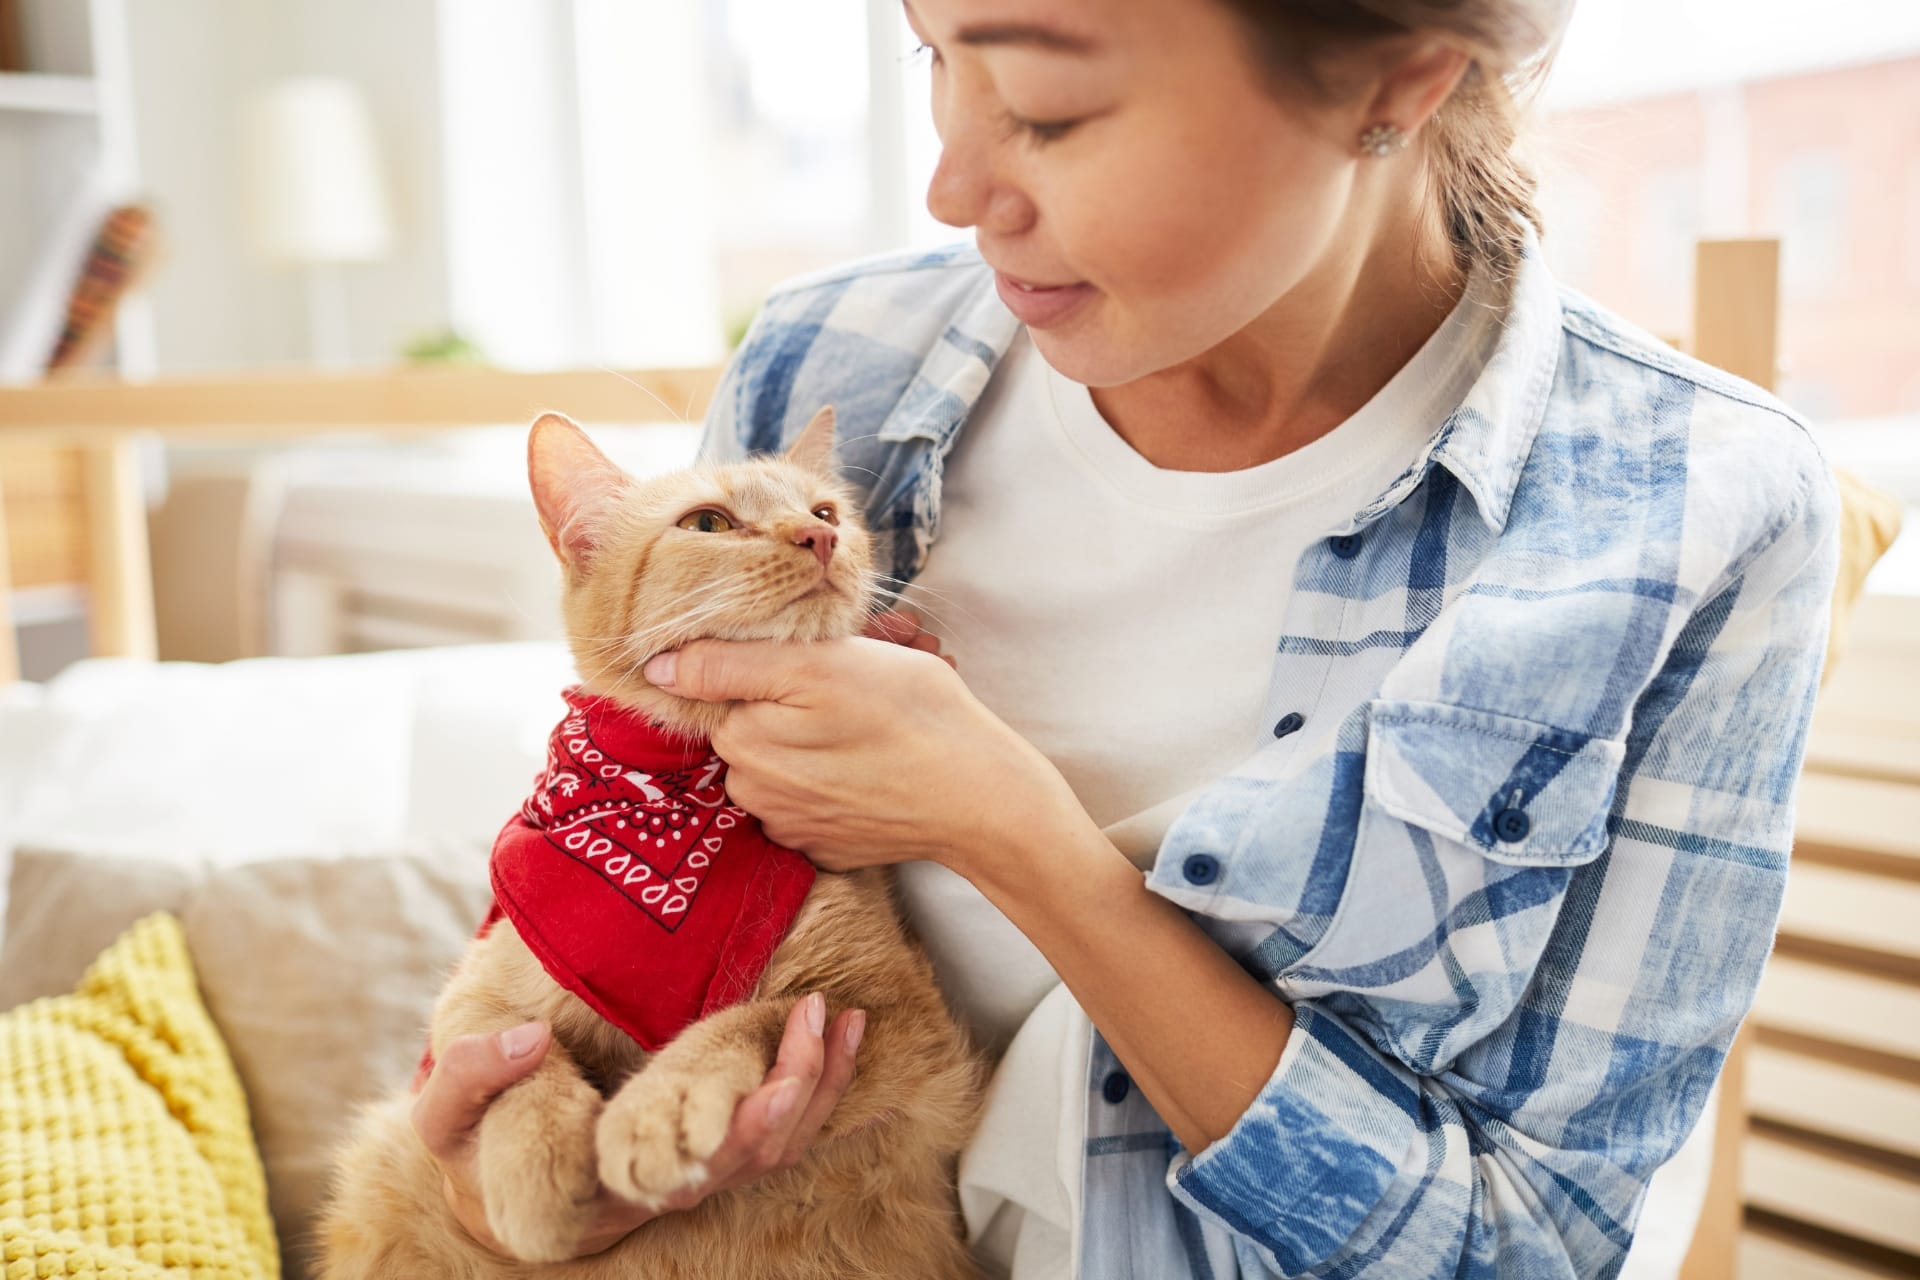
(312, 175)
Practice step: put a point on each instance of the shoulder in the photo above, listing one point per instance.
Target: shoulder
(904, 299)
(957, 260)
(1709, 459)
(872, 337)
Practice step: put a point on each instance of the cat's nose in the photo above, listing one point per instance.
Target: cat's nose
(818, 538)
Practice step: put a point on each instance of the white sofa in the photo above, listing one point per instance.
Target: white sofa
(321, 825)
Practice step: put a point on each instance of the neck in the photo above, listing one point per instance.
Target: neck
(1307, 363)
(681, 716)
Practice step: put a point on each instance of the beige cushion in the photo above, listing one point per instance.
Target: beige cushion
(321, 976)
(319, 972)
(64, 909)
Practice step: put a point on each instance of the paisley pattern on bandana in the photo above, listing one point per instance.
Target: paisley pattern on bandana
(639, 886)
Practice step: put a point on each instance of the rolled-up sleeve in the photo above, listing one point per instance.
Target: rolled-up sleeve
(1511, 1129)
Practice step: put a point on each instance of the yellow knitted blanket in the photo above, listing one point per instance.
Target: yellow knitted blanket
(125, 1147)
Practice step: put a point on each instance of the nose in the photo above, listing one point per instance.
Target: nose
(819, 539)
(966, 190)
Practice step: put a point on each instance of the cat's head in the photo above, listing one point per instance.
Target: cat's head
(767, 549)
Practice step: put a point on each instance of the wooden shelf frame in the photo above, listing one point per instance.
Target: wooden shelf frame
(105, 418)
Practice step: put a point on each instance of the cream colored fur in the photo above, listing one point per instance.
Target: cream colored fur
(875, 1194)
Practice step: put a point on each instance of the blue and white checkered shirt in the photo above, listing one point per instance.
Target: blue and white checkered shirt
(1515, 849)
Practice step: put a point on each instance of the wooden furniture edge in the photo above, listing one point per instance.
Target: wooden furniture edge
(103, 418)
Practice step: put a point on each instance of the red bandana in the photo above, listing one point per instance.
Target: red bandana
(639, 887)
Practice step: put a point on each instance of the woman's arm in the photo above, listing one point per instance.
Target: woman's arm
(1496, 1098)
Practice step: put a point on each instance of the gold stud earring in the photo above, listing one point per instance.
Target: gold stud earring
(1382, 140)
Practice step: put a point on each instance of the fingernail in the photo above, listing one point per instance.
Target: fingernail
(660, 669)
(783, 1099)
(817, 1013)
(856, 1027)
(521, 1040)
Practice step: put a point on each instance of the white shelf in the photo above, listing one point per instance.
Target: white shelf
(55, 602)
(60, 95)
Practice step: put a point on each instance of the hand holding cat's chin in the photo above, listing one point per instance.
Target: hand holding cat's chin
(860, 753)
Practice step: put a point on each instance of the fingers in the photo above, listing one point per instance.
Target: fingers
(774, 1124)
(899, 626)
(903, 627)
(842, 1039)
(729, 671)
(471, 1073)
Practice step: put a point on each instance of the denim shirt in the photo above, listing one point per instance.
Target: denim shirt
(1515, 847)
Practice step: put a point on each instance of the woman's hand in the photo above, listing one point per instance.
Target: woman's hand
(772, 1127)
(903, 626)
(861, 754)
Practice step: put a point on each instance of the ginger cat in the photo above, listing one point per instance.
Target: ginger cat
(765, 549)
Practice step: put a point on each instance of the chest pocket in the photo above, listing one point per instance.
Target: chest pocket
(1470, 826)
(1519, 792)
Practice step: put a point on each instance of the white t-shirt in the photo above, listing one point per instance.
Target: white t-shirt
(1123, 619)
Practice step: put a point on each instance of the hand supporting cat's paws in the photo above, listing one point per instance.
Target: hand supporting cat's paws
(654, 1138)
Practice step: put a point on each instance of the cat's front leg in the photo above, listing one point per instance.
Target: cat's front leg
(536, 1161)
(656, 1134)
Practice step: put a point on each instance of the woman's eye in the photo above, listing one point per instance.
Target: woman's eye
(1042, 132)
(705, 522)
(923, 49)
(826, 512)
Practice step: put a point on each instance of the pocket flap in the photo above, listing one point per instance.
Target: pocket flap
(1517, 790)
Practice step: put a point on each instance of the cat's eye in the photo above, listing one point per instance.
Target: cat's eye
(706, 520)
(826, 512)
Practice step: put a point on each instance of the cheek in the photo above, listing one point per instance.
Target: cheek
(1210, 225)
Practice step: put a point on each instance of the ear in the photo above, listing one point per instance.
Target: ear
(813, 449)
(571, 479)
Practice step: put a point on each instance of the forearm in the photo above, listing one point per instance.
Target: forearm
(1198, 1034)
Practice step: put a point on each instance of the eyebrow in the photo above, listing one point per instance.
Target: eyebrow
(1022, 33)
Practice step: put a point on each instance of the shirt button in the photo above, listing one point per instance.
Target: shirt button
(1511, 825)
(1289, 723)
(1202, 868)
(1114, 1088)
(1346, 546)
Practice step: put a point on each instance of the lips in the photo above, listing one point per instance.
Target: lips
(1040, 306)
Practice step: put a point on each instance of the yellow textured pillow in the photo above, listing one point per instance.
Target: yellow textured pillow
(125, 1148)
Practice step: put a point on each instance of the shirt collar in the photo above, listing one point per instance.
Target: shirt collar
(1484, 443)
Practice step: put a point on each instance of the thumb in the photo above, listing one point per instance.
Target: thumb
(466, 1078)
(728, 671)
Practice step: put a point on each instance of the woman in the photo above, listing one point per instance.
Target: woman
(1440, 648)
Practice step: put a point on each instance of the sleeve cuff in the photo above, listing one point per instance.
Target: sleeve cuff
(1314, 1153)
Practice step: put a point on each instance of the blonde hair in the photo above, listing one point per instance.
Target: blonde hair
(1487, 192)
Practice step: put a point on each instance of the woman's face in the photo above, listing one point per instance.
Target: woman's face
(1129, 150)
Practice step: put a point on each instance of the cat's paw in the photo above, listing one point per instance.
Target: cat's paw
(536, 1181)
(658, 1132)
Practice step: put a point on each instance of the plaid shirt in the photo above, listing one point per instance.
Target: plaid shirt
(1515, 848)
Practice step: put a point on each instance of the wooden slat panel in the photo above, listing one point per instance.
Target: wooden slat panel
(1799, 1181)
(1853, 908)
(38, 471)
(1835, 1004)
(1831, 1097)
(1765, 1256)
(47, 540)
(1861, 813)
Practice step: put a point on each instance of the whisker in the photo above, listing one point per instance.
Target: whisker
(678, 417)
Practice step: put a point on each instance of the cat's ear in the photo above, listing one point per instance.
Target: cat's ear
(571, 480)
(813, 448)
